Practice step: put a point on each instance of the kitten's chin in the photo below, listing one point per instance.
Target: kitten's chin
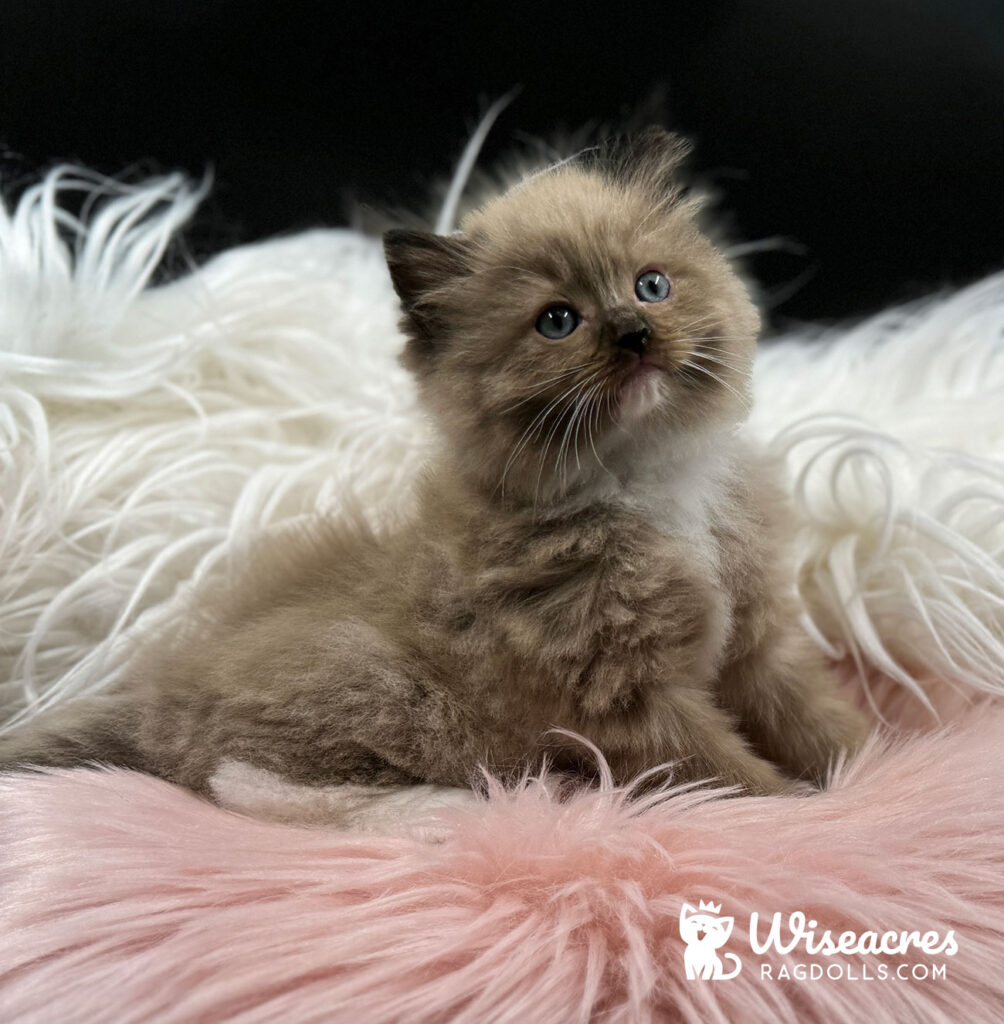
(639, 393)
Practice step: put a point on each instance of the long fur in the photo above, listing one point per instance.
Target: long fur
(894, 436)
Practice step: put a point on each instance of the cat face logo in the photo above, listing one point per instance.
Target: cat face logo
(705, 933)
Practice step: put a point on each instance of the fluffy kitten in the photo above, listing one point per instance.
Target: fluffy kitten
(592, 548)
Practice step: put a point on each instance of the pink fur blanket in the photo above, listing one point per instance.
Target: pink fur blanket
(126, 899)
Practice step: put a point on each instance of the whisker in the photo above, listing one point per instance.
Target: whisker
(540, 470)
(584, 421)
(724, 383)
(715, 357)
(704, 340)
(611, 411)
(561, 459)
(701, 321)
(550, 436)
(535, 426)
(571, 421)
(703, 344)
(593, 423)
(703, 357)
(540, 390)
(567, 369)
(528, 432)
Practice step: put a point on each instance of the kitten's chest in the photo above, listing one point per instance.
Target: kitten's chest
(687, 511)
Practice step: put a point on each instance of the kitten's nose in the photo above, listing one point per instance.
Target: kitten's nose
(634, 341)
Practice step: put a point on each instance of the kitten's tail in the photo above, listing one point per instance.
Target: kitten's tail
(93, 729)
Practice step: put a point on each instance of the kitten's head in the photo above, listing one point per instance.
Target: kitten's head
(576, 323)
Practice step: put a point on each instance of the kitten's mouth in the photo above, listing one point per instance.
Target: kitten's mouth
(638, 392)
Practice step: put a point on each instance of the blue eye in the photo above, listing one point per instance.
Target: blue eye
(557, 322)
(652, 286)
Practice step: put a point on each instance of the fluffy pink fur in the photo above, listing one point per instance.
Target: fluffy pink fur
(127, 899)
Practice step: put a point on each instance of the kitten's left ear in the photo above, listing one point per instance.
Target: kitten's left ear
(422, 266)
(729, 921)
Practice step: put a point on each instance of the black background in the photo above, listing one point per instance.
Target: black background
(869, 131)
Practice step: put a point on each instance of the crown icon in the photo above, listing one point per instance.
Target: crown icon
(711, 908)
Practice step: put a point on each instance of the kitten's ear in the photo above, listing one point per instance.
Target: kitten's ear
(650, 159)
(730, 921)
(685, 911)
(422, 266)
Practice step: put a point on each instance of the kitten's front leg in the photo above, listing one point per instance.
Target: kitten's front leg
(700, 739)
(788, 703)
(647, 698)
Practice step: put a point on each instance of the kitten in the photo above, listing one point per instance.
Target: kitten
(592, 548)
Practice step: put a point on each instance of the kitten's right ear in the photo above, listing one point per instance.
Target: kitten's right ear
(422, 268)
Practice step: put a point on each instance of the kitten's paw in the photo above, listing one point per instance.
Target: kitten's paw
(766, 781)
(837, 735)
(751, 776)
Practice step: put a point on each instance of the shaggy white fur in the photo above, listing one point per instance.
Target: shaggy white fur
(147, 433)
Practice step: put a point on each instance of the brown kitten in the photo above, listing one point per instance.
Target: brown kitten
(593, 547)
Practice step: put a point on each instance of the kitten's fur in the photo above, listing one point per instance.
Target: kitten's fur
(593, 547)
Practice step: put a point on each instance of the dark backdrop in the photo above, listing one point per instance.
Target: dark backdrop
(869, 131)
